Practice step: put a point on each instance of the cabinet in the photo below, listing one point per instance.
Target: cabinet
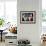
(11, 40)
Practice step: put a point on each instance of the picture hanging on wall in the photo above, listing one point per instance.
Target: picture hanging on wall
(27, 17)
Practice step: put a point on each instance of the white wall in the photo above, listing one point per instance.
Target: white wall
(29, 31)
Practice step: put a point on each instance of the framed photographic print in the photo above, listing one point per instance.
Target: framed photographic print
(27, 17)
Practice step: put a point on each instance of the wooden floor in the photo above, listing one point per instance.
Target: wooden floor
(2, 43)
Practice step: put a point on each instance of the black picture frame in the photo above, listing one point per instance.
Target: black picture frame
(27, 17)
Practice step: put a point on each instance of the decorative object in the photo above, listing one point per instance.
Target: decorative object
(1, 22)
(13, 29)
(27, 17)
(43, 37)
(23, 42)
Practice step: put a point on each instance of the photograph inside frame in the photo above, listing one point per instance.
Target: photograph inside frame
(27, 17)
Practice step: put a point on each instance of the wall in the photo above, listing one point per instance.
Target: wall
(29, 31)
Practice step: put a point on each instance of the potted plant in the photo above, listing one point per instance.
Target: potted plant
(1, 22)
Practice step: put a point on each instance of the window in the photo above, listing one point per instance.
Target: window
(1, 9)
(44, 16)
(11, 11)
(43, 4)
(8, 11)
